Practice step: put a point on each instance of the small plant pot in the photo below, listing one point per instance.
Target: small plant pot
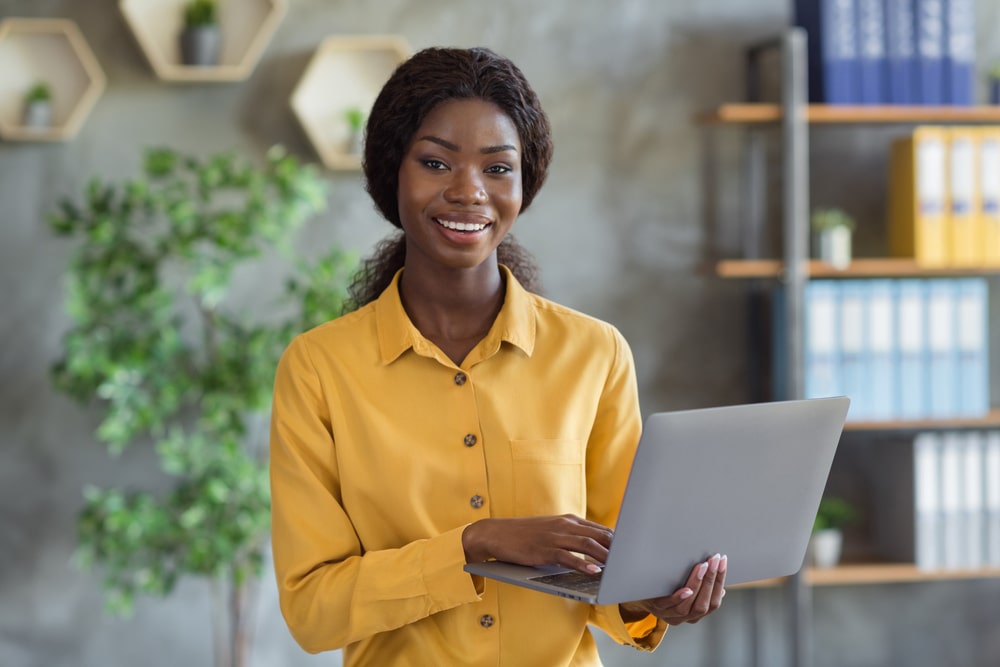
(38, 114)
(833, 246)
(355, 142)
(825, 547)
(201, 45)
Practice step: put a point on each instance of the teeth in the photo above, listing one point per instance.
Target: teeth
(461, 226)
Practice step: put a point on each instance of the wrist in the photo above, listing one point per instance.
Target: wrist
(632, 611)
(474, 543)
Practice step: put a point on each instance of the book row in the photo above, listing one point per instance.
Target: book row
(901, 349)
(915, 52)
(950, 519)
(944, 196)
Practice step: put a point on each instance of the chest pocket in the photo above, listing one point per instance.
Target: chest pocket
(549, 477)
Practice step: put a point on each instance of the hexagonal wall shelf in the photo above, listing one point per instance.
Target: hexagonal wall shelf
(344, 73)
(54, 52)
(246, 26)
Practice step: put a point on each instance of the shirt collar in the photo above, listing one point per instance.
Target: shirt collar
(515, 322)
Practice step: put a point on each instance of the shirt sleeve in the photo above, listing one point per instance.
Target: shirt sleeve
(333, 593)
(612, 445)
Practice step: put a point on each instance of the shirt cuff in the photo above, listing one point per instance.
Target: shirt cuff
(644, 634)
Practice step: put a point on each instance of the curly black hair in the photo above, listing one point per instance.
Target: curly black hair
(427, 79)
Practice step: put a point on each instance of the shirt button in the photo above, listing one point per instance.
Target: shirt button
(486, 620)
(460, 378)
(476, 501)
(470, 440)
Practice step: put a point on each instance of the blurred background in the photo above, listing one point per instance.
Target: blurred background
(621, 230)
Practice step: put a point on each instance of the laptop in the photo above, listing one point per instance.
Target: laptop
(742, 480)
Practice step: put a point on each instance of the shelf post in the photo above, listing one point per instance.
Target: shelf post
(795, 135)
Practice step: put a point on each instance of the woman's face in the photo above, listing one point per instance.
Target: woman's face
(460, 184)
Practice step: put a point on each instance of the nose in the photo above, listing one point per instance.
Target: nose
(466, 187)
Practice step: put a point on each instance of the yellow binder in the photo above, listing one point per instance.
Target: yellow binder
(989, 194)
(918, 183)
(965, 237)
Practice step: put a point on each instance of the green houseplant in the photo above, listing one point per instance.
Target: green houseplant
(355, 118)
(832, 231)
(833, 515)
(200, 38)
(38, 105)
(158, 345)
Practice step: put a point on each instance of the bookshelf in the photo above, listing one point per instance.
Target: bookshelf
(788, 124)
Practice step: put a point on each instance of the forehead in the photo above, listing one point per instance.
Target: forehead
(473, 119)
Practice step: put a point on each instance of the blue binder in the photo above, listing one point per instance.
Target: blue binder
(852, 324)
(870, 16)
(899, 52)
(960, 52)
(942, 347)
(821, 333)
(929, 25)
(882, 364)
(911, 337)
(832, 46)
(973, 347)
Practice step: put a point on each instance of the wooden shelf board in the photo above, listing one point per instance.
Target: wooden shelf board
(876, 573)
(755, 114)
(989, 420)
(859, 268)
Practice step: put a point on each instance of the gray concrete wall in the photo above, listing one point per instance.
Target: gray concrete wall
(618, 230)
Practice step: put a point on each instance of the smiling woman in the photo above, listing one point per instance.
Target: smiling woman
(456, 415)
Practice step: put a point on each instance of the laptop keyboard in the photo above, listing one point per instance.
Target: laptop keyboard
(577, 581)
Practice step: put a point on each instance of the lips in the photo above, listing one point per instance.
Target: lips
(463, 222)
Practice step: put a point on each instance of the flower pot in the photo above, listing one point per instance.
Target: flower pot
(833, 246)
(38, 114)
(201, 45)
(825, 547)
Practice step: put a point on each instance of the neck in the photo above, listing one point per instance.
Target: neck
(452, 305)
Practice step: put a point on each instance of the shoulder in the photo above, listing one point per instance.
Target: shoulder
(348, 333)
(575, 325)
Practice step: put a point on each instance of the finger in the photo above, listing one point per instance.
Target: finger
(595, 531)
(720, 584)
(681, 600)
(702, 603)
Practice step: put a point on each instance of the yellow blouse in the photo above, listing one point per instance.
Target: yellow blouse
(383, 451)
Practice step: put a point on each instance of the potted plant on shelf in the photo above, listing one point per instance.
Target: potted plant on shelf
(162, 350)
(827, 539)
(200, 38)
(355, 118)
(38, 106)
(832, 230)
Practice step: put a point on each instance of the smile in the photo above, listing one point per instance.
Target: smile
(461, 226)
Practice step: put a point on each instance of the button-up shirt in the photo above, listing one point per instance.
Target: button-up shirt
(383, 450)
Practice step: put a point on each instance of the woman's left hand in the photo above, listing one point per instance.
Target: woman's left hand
(700, 597)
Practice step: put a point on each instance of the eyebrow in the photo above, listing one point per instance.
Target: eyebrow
(454, 147)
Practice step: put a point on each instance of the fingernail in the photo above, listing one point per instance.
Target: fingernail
(713, 563)
(702, 570)
(723, 593)
(686, 593)
(593, 569)
(723, 562)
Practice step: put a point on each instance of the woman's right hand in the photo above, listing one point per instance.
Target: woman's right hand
(543, 540)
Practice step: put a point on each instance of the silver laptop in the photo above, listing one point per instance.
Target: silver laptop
(743, 480)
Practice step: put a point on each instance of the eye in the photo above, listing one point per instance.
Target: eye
(434, 164)
(499, 169)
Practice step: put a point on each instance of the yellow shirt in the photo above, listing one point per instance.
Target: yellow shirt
(383, 451)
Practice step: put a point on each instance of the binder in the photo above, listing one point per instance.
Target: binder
(989, 194)
(929, 37)
(972, 313)
(964, 235)
(822, 363)
(991, 468)
(973, 518)
(912, 345)
(917, 179)
(882, 358)
(928, 540)
(942, 348)
(959, 52)
(851, 320)
(832, 49)
(870, 16)
(899, 52)
(951, 501)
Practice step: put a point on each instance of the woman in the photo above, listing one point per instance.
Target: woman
(455, 415)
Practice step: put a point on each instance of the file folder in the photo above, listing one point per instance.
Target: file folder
(918, 181)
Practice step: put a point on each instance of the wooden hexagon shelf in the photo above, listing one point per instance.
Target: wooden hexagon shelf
(345, 72)
(53, 52)
(246, 26)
